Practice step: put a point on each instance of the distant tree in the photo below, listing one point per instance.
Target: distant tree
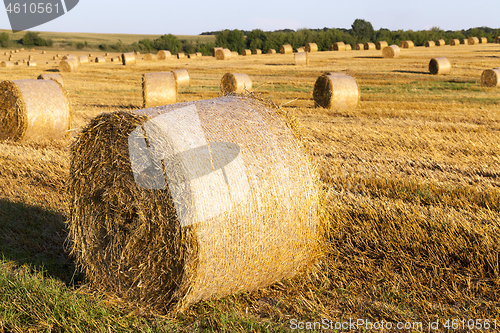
(362, 30)
(231, 39)
(4, 40)
(168, 42)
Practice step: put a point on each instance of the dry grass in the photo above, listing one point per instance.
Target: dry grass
(421, 239)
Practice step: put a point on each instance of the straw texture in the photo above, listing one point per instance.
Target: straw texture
(33, 110)
(222, 54)
(257, 51)
(440, 42)
(286, 49)
(455, 42)
(129, 239)
(83, 59)
(473, 41)
(440, 65)
(164, 55)
(271, 51)
(55, 77)
(235, 83)
(338, 46)
(490, 78)
(381, 44)
(158, 89)
(181, 55)
(483, 40)
(359, 46)
(100, 59)
(348, 47)
(392, 51)
(336, 91)
(407, 44)
(369, 46)
(301, 59)
(150, 57)
(181, 77)
(5, 64)
(31, 63)
(128, 58)
(430, 43)
(69, 65)
(246, 52)
(311, 47)
(214, 50)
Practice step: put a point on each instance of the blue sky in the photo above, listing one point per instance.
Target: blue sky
(191, 17)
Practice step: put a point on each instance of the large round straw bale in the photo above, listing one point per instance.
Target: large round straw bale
(257, 51)
(163, 55)
(199, 54)
(235, 83)
(158, 89)
(490, 78)
(440, 65)
(311, 47)
(33, 109)
(473, 40)
(68, 65)
(271, 51)
(430, 43)
(233, 209)
(359, 46)
(483, 40)
(246, 52)
(337, 91)
(392, 51)
(301, 49)
(5, 64)
(381, 44)
(56, 77)
(369, 46)
(181, 77)
(286, 49)
(222, 54)
(338, 46)
(83, 59)
(214, 50)
(301, 59)
(348, 47)
(455, 42)
(440, 42)
(31, 63)
(128, 58)
(150, 57)
(100, 59)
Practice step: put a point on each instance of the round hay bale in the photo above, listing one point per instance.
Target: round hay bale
(246, 52)
(137, 53)
(348, 47)
(301, 59)
(465, 41)
(257, 51)
(455, 42)
(271, 51)
(311, 47)
(440, 42)
(440, 65)
(286, 49)
(163, 55)
(369, 46)
(90, 55)
(17, 51)
(106, 54)
(158, 89)
(33, 110)
(68, 65)
(55, 77)
(150, 57)
(5, 64)
(223, 54)
(430, 43)
(301, 49)
(483, 40)
(181, 55)
(246, 221)
(54, 58)
(192, 55)
(128, 58)
(490, 78)
(234, 54)
(381, 44)
(72, 56)
(359, 46)
(473, 41)
(235, 83)
(31, 63)
(337, 91)
(214, 50)
(83, 59)
(181, 77)
(199, 54)
(407, 44)
(392, 51)
(43, 52)
(100, 59)
(497, 39)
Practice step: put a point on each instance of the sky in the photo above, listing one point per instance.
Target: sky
(192, 17)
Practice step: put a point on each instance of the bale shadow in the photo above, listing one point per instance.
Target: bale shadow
(369, 57)
(411, 72)
(36, 236)
(55, 70)
(279, 64)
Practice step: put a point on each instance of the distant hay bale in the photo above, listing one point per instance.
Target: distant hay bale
(199, 54)
(311, 47)
(128, 58)
(497, 39)
(106, 54)
(223, 54)
(381, 44)
(440, 42)
(246, 52)
(31, 63)
(440, 65)
(100, 60)
(359, 47)
(234, 54)
(369, 46)
(455, 42)
(33, 110)
(257, 51)
(271, 51)
(483, 40)
(430, 43)
(70, 56)
(348, 47)
(90, 55)
(181, 77)
(490, 78)
(43, 52)
(338, 46)
(158, 89)
(235, 83)
(150, 57)
(301, 59)
(392, 51)
(336, 91)
(68, 65)
(214, 50)
(465, 41)
(181, 55)
(301, 49)
(137, 53)
(473, 41)
(246, 219)
(32, 50)
(55, 77)
(5, 64)
(83, 59)
(407, 44)
(192, 55)
(286, 49)
(163, 55)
